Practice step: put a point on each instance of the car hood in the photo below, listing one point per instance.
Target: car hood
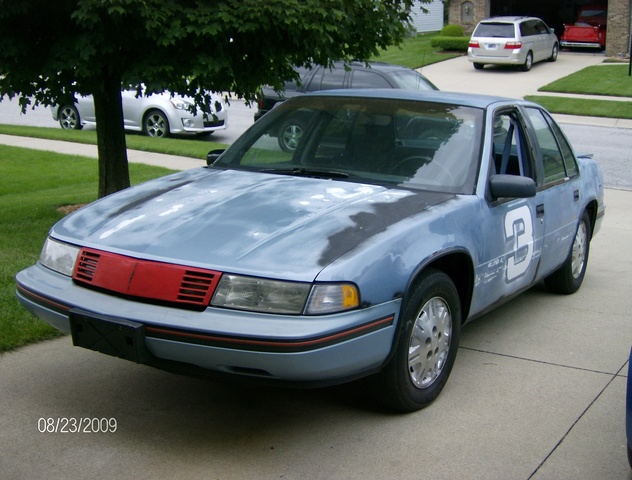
(243, 222)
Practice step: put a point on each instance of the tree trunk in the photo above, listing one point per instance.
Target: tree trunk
(108, 110)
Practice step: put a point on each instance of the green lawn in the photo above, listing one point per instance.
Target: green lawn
(589, 108)
(34, 184)
(605, 79)
(415, 52)
(186, 147)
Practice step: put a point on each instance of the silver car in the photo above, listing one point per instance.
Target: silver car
(157, 115)
(519, 41)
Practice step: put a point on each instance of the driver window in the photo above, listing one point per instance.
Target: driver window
(509, 153)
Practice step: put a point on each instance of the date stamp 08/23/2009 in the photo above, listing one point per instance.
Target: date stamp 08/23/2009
(76, 425)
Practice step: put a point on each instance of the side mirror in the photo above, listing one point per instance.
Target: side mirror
(512, 186)
(213, 155)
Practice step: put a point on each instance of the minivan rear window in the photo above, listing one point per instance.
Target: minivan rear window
(497, 30)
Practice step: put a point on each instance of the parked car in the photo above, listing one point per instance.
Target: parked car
(400, 216)
(589, 31)
(628, 411)
(156, 115)
(341, 75)
(354, 75)
(520, 41)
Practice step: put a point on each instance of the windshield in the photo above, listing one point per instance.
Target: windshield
(411, 80)
(413, 144)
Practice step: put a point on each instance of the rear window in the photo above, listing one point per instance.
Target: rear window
(497, 30)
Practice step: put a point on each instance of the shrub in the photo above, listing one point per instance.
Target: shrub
(452, 31)
(457, 44)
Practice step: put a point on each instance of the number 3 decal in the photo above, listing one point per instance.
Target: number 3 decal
(519, 229)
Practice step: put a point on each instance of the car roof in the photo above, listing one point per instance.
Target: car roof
(455, 98)
(508, 19)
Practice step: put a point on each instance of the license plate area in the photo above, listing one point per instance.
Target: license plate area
(492, 46)
(117, 337)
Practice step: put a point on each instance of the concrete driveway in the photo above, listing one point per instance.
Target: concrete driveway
(538, 391)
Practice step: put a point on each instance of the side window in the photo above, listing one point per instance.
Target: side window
(567, 152)
(528, 28)
(509, 150)
(365, 79)
(333, 78)
(552, 158)
(541, 27)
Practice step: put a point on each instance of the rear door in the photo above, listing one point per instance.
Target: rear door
(560, 195)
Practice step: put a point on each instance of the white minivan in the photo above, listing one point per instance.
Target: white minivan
(520, 41)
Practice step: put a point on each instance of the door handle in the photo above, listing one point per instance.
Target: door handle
(539, 210)
(576, 195)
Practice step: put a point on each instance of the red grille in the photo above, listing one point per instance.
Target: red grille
(145, 279)
(87, 265)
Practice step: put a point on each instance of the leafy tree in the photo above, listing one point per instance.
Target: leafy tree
(51, 50)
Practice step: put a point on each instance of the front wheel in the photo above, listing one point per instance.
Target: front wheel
(554, 53)
(427, 345)
(290, 135)
(156, 124)
(569, 277)
(69, 118)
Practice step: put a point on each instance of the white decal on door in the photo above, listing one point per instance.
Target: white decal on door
(519, 230)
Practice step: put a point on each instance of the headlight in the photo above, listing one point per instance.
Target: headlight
(59, 256)
(260, 295)
(181, 104)
(275, 296)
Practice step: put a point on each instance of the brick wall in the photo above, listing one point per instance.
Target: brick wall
(617, 35)
(467, 13)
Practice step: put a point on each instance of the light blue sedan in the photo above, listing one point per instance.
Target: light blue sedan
(399, 217)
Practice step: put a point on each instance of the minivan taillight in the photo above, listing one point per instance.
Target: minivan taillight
(512, 45)
(475, 44)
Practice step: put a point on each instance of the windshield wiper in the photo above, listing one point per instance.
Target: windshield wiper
(304, 172)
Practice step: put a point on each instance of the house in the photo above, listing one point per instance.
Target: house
(427, 17)
(555, 13)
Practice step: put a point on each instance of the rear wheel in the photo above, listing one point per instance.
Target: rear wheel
(528, 62)
(479, 66)
(427, 346)
(69, 118)
(156, 124)
(569, 277)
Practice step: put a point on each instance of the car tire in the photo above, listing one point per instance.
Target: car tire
(69, 117)
(290, 135)
(569, 277)
(528, 62)
(427, 345)
(155, 124)
(479, 66)
(554, 53)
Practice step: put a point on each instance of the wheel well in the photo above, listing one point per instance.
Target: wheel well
(591, 208)
(458, 266)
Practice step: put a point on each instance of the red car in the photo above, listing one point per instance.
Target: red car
(589, 31)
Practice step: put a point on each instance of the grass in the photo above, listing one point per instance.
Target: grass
(612, 80)
(185, 147)
(582, 107)
(415, 52)
(34, 184)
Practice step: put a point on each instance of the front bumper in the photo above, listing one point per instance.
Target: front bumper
(297, 349)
